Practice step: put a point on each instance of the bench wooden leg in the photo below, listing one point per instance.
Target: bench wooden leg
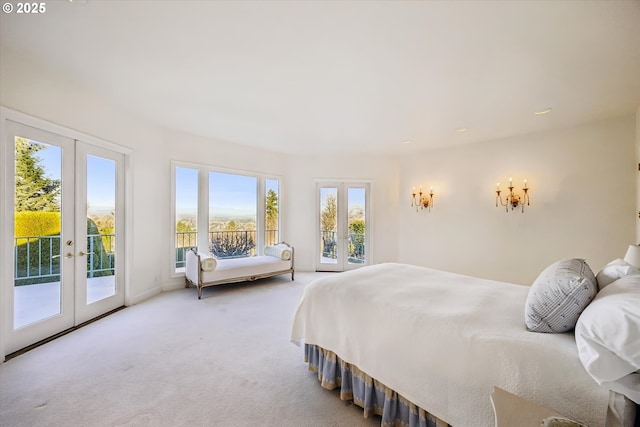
(199, 292)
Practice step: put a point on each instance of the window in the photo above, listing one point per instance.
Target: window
(186, 220)
(240, 210)
(232, 215)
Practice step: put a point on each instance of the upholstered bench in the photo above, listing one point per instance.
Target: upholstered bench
(204, 270)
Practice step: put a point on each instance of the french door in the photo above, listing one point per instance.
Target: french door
(343, 225)
(65, 202)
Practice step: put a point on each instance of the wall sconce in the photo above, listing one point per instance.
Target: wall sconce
(513, 199)
(421, 200)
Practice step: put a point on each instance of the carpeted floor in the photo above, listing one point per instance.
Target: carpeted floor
(173, 360)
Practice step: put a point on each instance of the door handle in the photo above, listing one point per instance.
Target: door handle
(68, 255)
(81, 253)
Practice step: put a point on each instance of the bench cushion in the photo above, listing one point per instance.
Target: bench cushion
(244, 267)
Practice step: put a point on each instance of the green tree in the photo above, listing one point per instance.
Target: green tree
(35, 191)
(186, 233)
(272, 210)
(356, 226)
(329, 212)
(231, 225)
(185, 226)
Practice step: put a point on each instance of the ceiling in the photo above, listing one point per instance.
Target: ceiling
(310, 77)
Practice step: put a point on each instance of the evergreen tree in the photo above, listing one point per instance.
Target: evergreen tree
(35, 191)
(271, 210)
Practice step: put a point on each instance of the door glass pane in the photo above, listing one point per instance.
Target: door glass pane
(186, 213)
(328, 225)
(232, 215)
(356, 221)
(38, 222)
(272, 217)
(101, 228)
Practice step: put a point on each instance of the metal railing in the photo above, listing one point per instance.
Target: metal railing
(100, 255)
(37, 258)
(355, 246)
(185, 241)
(223, 244)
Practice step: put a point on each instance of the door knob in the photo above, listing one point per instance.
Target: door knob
(81, 253)
(68, 255)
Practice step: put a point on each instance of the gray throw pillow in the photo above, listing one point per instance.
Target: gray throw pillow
(558, 296)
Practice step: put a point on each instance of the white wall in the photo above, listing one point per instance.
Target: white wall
(300, 206)
(582, 184)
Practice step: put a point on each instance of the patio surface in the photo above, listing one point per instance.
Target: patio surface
(36, 302)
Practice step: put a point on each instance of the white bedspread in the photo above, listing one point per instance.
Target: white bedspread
(443, 341)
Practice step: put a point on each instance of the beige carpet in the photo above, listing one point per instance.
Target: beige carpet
(175, 361)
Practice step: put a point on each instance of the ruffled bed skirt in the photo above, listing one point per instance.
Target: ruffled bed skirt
(366, 392)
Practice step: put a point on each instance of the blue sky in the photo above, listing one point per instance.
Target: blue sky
(229, 194)
(100, 177)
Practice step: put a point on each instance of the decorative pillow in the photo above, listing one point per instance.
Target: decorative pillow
(207, 262)
(613, 271)
(608, 331)
(281, 250)
(558, 296)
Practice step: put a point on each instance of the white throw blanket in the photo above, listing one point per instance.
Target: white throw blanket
(443, 341)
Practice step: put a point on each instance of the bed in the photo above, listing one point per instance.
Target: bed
(427, 347)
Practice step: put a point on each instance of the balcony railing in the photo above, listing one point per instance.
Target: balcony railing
(185, 240)
(223, 244)
(37, 258)
(355, 246)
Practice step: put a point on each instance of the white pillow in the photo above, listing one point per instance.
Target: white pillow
(207, 262)
(281, 250)
(558, 296)
(613, 271)
(608, 331)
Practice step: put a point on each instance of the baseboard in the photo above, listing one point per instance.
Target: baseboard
(173, 286)
(305, 267)
(144, 296)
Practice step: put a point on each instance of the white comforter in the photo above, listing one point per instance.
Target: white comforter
(443, 341)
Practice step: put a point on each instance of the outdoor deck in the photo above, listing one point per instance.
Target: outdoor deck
(40, 301)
